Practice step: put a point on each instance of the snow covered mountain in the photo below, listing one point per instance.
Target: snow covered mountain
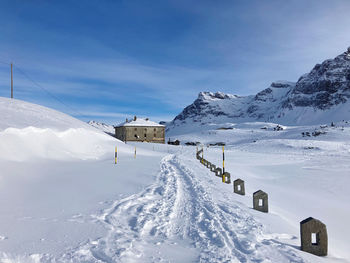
(320, 96)
(109, 129)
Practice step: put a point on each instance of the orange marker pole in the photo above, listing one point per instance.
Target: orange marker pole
(116, 155)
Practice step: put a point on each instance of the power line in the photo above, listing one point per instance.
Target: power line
(49, 93)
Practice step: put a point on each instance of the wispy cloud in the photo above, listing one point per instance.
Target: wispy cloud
(127, 58)
(122, 79)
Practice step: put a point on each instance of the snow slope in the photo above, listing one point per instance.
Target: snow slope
(30, 131)
(20, 114)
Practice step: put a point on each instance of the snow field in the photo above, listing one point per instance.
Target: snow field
(298, 186)
(181, 213)
(177, 213)
(62, 198)
(47, 207)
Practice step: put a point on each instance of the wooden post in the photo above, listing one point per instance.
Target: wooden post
(11, 81)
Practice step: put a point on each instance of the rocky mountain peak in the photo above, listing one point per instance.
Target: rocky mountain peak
(204, 95)
(348, 51)
(282, 84)
(326, 85)
(318, 95)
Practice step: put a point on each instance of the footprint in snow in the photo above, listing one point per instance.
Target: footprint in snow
(2, 238)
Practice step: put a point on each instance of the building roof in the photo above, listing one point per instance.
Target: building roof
(139, 122)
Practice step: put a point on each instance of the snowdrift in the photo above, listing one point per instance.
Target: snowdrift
(29, 131)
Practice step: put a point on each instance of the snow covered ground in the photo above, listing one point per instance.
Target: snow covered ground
(62, 198)
(303, 175)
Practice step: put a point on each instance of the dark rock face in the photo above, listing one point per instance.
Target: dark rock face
(262, 94)
(327, 84)
(280, 85)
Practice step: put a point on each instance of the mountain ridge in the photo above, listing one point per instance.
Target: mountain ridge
(320, 96)
(106, 128)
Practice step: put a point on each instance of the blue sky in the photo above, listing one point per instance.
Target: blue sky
(107, 60)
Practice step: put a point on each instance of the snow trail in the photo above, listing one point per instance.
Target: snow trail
(177, 214)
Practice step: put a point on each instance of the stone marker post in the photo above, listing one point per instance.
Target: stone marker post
(218, 172)
(238, 187)
(260, 201)
(309, 228)
(208, 164)
(226, 178)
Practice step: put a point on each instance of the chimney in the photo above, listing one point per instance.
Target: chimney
(126, 120)
(147, 119)
(135, 118)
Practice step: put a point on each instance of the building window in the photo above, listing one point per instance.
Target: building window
(135, 129)
(154, 135)
(145, 135)
(154, 129)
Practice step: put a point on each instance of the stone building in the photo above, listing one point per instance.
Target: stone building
(140, 130)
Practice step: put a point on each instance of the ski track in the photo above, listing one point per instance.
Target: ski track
(178, 207)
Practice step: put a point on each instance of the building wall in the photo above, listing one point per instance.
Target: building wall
(120, 133)
(141, 134)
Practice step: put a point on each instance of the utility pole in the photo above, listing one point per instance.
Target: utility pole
(11, 81)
